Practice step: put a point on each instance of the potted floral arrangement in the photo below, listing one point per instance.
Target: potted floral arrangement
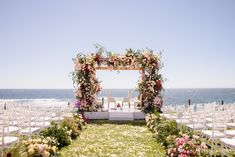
(184, 146)
(39, 147)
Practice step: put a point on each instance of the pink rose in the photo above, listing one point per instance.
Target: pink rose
(190, 143)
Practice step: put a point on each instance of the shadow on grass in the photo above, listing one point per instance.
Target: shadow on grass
(134, 123)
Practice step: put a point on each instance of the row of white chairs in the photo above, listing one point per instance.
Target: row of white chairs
(27, 119)
(211, 121)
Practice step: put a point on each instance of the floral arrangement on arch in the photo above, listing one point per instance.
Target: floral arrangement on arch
(87, 86)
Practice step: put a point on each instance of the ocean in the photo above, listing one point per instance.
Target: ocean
(170, 96)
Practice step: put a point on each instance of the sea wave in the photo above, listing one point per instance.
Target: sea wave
(36, 101)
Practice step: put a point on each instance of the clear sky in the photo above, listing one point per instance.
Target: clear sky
(38, 40)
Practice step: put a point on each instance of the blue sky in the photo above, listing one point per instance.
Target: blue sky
(40, 38)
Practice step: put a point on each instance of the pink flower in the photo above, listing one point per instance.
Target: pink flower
(182, 155)
(203, 145)
(190, 143)
(77, 104)
(172, 152)
(186, 137)
(77, 66)
(180, 141)
(186, 146)
(180, 149)
(169, 151)
(40, 148)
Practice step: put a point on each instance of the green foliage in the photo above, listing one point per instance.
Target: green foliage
(152, 120)
(60, 134)
(164, 129)
(100, 49)
(71, 124)
(80, 122)
(170, 141)
(166, 132)
(232, 153)
(76, 124)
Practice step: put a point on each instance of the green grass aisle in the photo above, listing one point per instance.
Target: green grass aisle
(114, 139)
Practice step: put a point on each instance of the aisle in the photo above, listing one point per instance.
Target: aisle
(114, 139)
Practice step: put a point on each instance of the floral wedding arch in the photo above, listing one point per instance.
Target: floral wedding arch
(87, 85)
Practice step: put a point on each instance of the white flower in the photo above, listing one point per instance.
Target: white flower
(45, 146)
(46, 154)
(31, 151)
(78, 66)
(39, 140)
(79, 94)
(151, 89)
(54, 149)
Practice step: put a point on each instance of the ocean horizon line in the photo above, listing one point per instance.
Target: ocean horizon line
(115, 88)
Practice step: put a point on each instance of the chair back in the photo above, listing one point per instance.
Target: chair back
(111, 99)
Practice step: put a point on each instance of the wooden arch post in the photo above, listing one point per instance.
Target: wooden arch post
(142, 77)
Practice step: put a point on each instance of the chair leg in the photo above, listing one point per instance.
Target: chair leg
(223, 149)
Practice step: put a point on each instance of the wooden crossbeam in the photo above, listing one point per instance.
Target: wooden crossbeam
(118, 68)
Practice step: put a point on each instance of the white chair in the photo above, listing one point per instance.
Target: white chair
(231, 122)
(197, 121)
(127, 100)
(11, 125)
(186, 115)
(228, 144)
(26, 127)
(40, 119)
(217, 131)
(230, 131)
(111, 100)
(6, 139)
(183, 119)
(57, 113)
(67, 111)
(171, 112)
(138, 102)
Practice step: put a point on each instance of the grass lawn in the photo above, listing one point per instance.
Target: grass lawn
(114, 139)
